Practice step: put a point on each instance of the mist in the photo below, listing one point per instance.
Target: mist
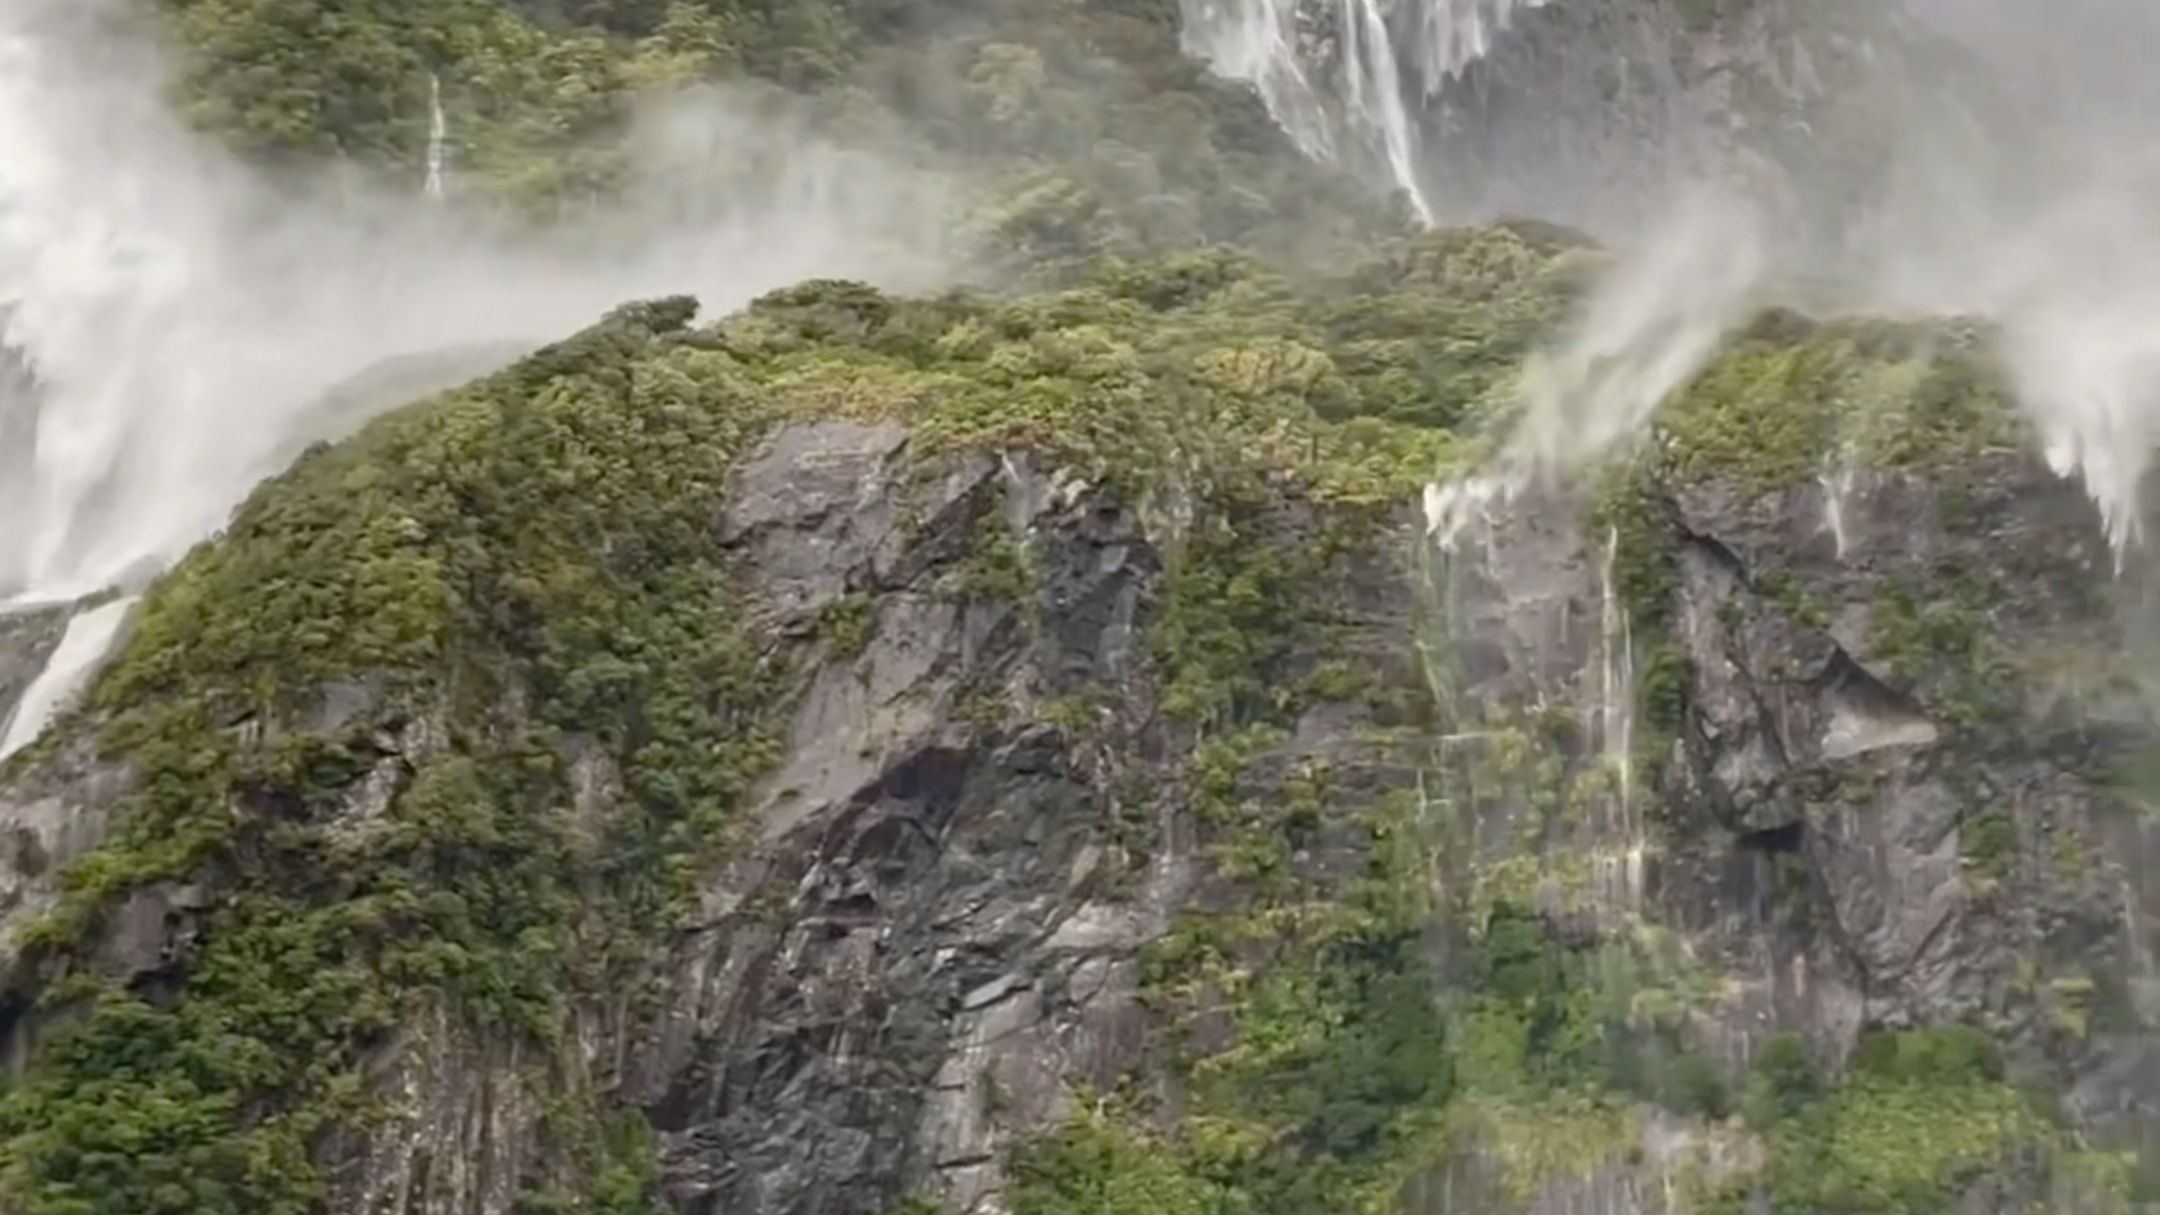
(182, 315)
(2023, 193)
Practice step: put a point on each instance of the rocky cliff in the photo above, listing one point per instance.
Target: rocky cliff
(1027, 752)
(1589, 114)
(981, 755)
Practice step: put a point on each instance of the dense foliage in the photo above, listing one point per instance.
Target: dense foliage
(480, 593)
(1076, 129)
(520, 573)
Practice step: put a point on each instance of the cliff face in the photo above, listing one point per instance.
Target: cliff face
(1588, 113)
(1027, 756)
(1879, 722)
(1028, 753)
(683, 764)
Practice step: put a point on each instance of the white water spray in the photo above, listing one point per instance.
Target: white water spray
(1616, 676)
(1453, 34)
(1659, 317)
(179, 316)
(1619, 862)
(1259, 41)
(1385, 54)
(1373, 96)
(88, 638)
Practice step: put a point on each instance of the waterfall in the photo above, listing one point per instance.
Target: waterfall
(88, 639)
(171, 321)
(1373, 96)
(1387, 55)
(1837, 487)
(1616, 674)
(1453, 34)
(1261, 42)
(438, 138)
(1620, 846)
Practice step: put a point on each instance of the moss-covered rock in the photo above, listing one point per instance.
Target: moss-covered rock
(873, 753)
(974, 746)
(408, 777)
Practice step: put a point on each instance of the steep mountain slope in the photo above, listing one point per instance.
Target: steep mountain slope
(1027, 751)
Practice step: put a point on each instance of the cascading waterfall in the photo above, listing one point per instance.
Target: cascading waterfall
(1373, 95)
(1621, 845)
(1453, 34)
(177, 321)
(88, 637)
(1386, 54)
(1261, 42)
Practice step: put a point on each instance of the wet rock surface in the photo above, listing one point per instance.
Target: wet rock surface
(1585, 114)
(928, 937)
(27, 639)
(1872, 810)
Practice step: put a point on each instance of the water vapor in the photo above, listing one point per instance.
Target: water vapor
(181, 315)
(2000, 182)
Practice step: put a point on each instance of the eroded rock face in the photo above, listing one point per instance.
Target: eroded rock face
(929, 938)
(27, 639)
(928, 934)
(1886, 787)
(1594, 114)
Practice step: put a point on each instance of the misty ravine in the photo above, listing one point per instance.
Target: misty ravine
(1008, 607)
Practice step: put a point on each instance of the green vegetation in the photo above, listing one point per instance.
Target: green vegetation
(1789, 401)
(1096, 1164)
(540, 539)
(518, 578)
(1793, 398)
(1077, 130)
(362, 718)
(1920, 1114)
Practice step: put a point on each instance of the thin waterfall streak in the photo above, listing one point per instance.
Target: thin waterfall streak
(178, 320)
(438, 139)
